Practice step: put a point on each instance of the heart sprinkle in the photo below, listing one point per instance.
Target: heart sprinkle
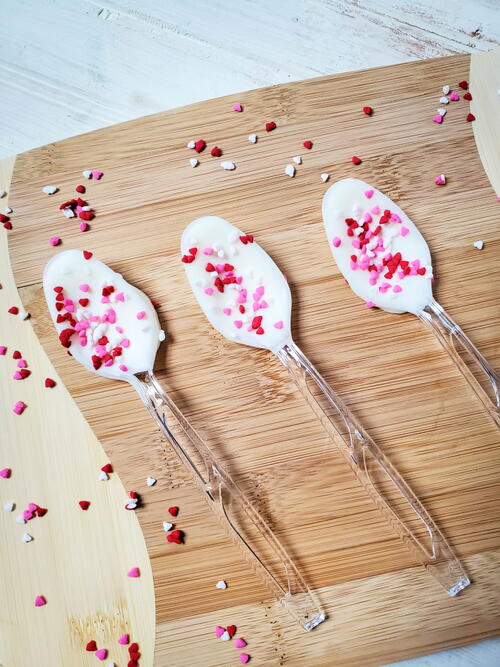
(324, 177)
(463, 84)
(438, 119)
(173, 511)
(446, 90)
(290, 170)
(479, 245)
(49, 189)
(308, 144)
(228, 165)
(470, 117)
(102, 653)
(454, 97)
(368, 111)
(221, 585)
(19, 407)
(150, 481)
(5, 473)
(467, 97)
(199, 145)
(176, 536)
(244, 658)
(231, 630)
(134, 572)
(40, 601)
(443, 100)
(240, 643)
(237, 107)
(356, 160)
(9, 507)
(167, 526)
(225, 636)
(26, 537)
(271, 126)
(216, 152)
(440, 180)
(107, 468)
(124, 639)
(84, 504)
(91, 646)
(194, 162)
(54, 240)
(219, 631)
(86, 173)
(252, 138)
(297, 159)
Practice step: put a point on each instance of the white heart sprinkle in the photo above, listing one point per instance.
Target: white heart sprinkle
(162, 335)
(86, 208)
(479, 245)
(167, 526)
(20, 519)
(297, 159)
(49, 189)
(290, 170)
(131, 506)
(193, 162)
(220, 253)
(228, 165)
(23, 315)
(225, 636)
(221, 585)
(8, 210)
(191, 144)
(443, 100)
(103, 476)
(442, 112)
(2, 193)
(8, 507)
(86, 173)
(151, 481)
(26, 537)
(68, 212)
(446, 90)
(252, 138)
(111, 664)
(325, 177)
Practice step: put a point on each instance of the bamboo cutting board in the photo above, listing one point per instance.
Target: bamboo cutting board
(382, 606)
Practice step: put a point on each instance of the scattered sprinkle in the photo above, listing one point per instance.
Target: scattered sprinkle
(368, 111)
(97, 174)
(442, 112)
(54, 240)
(237, 107)
(173, 511)
(297, 159)
(290, 170)
(26, 537)
(443, 100)
(252, 138)
(19, 407)
(440, 179)
(102, 654)
(167, 526)
(40, 601)
(49, 383)
(240, 642)
(3, 350)
(370, 304)
(479, 245)
(80, 189)
(176, 536)
(87, 254)
(216, 152)
(438, 119)
(463, 84)
(8, 209)
(84, 504)
(23, 315)
(199, 145)
(219, 631)
(5, 473)
(49, 189)
(308, 144)
(103, 477)
(467, 97)
(244, 658)
(124, 639)
(454, 97)
(134, 573)
(107, 468)
(91, 646)
(324, 177)
(8, 507)
(470, 117)
(86, 173)
(270, 126)
(150, 481)
(446, 90)
(228, 165)
(193, 162)
(13, 310)
(221, 585)
(2, 193)
(356, 160)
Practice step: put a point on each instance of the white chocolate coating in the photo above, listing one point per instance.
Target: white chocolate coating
(137, 339)
(401, 283)
(259, 287)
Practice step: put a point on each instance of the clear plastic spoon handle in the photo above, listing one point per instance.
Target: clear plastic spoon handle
(456, 343)
(237, 514)
(378, 476)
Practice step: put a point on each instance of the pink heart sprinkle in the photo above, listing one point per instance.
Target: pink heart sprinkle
(123, 368)
(5, 473)
(370, 304)
(40, 601)
(141, 315)
(134, 572)
(440, 180)
(264, 304)
(239, 279)
(97, 175)
(226, 311)
(397, 288)
(219, 631)
(255, 306)
(209, 291)
(219, 267)
(454, 97)
(101, 653)
(208, 251)
(238, 324)
(124, 639)
(17, 376)
(237, 107)
(32, 507)
(438, 119)
(120, 297)
(85, 287)
(240, 643)
(404, 231)
(105, 299)
(119, 329)
(278, 325)
(376, 210)
(367, 217)
(369, 193)
(79, 209)
(336, 241)
(125, 342)
(83, 226)
(54, 240)
(244, 658)
(3, 349)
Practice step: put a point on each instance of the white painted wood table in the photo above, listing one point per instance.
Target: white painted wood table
(68, 67)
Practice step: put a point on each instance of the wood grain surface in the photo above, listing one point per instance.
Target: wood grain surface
(393, 375)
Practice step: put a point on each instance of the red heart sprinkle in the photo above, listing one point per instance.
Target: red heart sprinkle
(7, 225)
(174, 511)
(133, 494)
(134, 655)
(470, 116)
(368, 111)
(24, 372)
(13, 310)
(80, 189)
(259, 331)
(209, 268)
(103, 340)
(58, 289)
(83, 302)
(49, 383)
(65, 337)
(87, 254)
(256, 322)
(467, 96)
(107, 468)
(84, 504)
(91, 646)
(199, 145)
(356, 160)
(463, 84)
(59, 306)
(270, 126)
(176, 536)
(308, 144)
(86, 215)
(41, 511)
(96, 362)
(133, 648)
(132, 663)
(216, 152)
(231, 629)
(17, 355)
(4, 218)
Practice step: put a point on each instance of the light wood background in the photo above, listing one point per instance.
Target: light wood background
(364, 576)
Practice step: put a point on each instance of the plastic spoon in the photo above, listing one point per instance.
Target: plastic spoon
(387, 262)
(112, 328)
(247, 299)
